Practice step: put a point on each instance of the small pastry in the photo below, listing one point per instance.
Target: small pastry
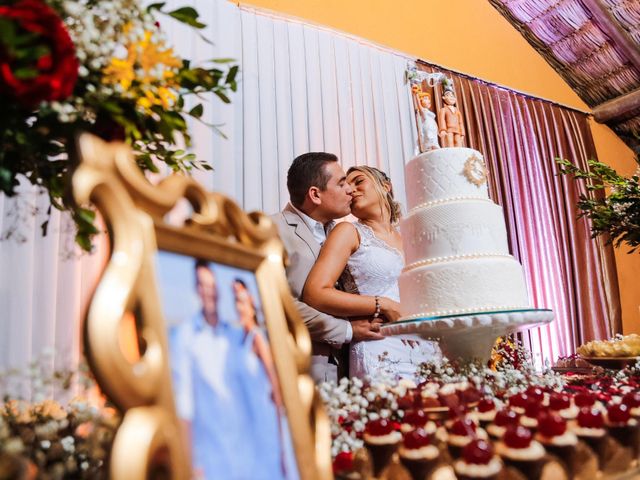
(417, 454)
(381, 440)
(518, 450)
(501, 421)
(478, 462)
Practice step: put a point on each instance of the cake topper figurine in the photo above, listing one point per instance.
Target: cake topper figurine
(425, 118)
(450, 122)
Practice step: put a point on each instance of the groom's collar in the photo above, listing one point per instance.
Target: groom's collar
(318, 229)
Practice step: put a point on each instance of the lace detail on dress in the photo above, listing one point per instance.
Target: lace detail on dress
(368, 237)
(375, 267)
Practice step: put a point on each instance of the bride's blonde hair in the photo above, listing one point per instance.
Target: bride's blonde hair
(381, 182)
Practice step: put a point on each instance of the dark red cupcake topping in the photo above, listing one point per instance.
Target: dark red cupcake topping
(535, 392)
(463, 427)
(470, 395)
(343, 462)
(618, 413)
(415, 418)
(486, 405)
(532, 408)
(415, 439)
(478, 452)
(590, 418)
(550, 424)
(631, 399)
(519, 400)
(517, 436)
(379, 427)
(584, 399)
(559, 401)
(505, 418)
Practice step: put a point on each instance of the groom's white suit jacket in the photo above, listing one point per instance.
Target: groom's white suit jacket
(328, 333)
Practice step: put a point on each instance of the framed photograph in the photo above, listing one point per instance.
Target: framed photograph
(218, 384)
(226, 388)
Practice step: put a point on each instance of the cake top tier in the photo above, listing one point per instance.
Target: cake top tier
(445, 174)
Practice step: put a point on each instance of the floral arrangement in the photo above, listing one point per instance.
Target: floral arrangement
(49, 440)
(98, 66)
(616, 210)
(45, 438)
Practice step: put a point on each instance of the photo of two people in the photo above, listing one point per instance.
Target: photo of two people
(225, 385)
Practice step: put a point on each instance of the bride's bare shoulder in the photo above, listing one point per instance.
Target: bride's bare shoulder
(344, 233)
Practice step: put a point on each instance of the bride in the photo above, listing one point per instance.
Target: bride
(367, 257)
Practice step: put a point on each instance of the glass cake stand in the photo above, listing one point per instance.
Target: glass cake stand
(471, 335)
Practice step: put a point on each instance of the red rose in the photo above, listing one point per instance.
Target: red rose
(57, 70)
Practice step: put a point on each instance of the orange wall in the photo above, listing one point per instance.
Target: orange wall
(470, 36)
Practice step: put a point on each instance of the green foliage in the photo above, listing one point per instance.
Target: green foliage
(613, 202)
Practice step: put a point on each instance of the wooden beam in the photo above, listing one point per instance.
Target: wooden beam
(617, 108)
(607, 22)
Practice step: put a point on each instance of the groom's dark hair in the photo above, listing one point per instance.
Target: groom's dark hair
(306, 171)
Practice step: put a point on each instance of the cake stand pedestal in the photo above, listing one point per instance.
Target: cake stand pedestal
(470, 336)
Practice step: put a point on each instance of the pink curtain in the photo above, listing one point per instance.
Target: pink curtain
(565, 269)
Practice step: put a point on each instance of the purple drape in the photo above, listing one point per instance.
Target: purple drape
(565, 269)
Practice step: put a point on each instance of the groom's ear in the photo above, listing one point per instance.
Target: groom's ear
(314, 195)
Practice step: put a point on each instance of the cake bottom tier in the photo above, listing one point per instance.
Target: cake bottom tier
(463, 286)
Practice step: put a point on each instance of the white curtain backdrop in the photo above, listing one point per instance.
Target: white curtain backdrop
(302, 88)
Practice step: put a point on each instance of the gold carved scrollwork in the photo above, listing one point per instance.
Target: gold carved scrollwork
(149, 438)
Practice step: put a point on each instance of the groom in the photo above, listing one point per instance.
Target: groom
(318, 194)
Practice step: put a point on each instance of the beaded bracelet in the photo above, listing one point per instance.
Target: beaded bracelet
(376, 314)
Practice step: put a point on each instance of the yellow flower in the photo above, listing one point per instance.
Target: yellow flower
(119, 71)
(152, 54)
(167, 96)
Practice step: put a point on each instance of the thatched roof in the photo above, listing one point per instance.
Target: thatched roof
(595, 46)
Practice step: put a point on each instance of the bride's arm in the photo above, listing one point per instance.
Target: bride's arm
(319, 289)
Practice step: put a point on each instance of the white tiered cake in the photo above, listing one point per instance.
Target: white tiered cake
(455, 240)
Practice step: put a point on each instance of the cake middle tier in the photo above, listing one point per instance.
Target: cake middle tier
(460, 286)
(454, 228)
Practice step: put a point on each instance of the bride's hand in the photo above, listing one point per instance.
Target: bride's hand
(389, 309)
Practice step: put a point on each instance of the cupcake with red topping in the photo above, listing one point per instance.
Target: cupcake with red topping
(587, 400)
(448, 396)
(485, 412)
(563, 404)
(478, 462)
(537, 394)
(501, 421)
(461, 432)
(632, 400)
(557, 439)
(518, 402)
(519, 450)
(589, 427)
(429, 396)
(417, 454)
(468, 393)
(381, 440)
(414, 419)
(622, 427)
(531, 411)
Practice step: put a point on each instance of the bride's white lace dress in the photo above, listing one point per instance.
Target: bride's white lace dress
(373, 269)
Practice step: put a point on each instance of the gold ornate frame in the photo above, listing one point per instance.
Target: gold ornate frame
(148, 439)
